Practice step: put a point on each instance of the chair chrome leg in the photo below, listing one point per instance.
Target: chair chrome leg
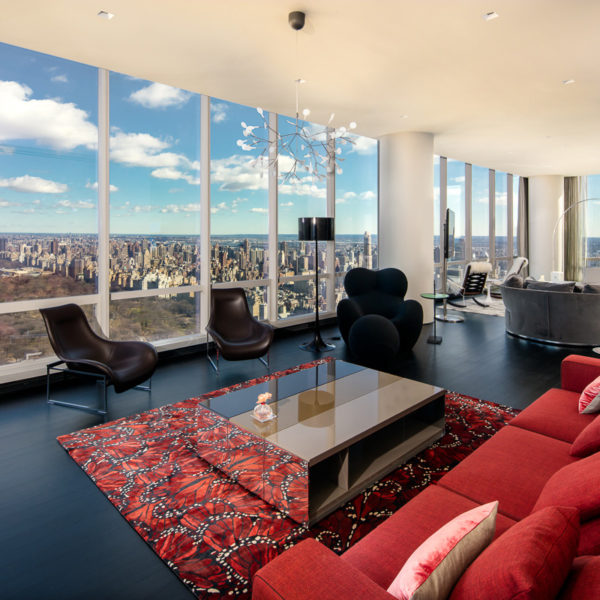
(103, 401)
(209, 357)
(144, 388)
(267, 362)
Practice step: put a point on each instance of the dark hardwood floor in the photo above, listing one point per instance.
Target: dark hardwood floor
(62, 539)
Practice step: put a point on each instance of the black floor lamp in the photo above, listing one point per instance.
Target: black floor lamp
(317, 229)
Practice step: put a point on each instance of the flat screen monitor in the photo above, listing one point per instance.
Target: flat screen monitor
(449, 234)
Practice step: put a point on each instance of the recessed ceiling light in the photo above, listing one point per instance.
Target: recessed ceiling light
(568, 81)
(490, 16)
(103, 14)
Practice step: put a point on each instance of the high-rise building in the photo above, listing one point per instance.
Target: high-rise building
(368, 251)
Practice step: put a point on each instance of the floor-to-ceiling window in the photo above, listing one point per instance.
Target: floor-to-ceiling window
(239, 212)
(486, 215)
(502, 253)
(61, 228)
(48, 205)
(480, 211)
(355, 209)
(301, 194)
(154, 256)
(456, 201)
(591, 210)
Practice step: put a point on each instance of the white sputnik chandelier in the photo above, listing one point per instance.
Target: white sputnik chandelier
(309, 149)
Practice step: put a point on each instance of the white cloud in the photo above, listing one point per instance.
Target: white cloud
(159, 95)
(340, 200)
(76, 205)
(501, 198)
(60, 125)
(303, 187)
(218, 111)
(60, 79)
(145, 150)
(368, 195)
(286, 204)
(171, 173)
(177, 208)
(138, 208)
(236, 173)
(6, 203)
(94, 186)
(213, 210)
(458, 179)
(31, 184)
(364, 145)
(256, 209)
(7, 150)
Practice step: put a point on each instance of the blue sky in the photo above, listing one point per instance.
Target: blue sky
(48, 125)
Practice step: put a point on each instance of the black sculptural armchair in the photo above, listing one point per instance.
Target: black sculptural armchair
(236, 333)
(376, 322)
(124, 365)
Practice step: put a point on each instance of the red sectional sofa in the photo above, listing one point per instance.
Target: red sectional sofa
(512, 467)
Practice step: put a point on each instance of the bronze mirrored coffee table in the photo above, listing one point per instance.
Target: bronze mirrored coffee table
(338, 429)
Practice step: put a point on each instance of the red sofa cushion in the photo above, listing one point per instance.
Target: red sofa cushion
(382, 553)
(577, 371)
(583, 581)
(512, 467)
(589, 537)
(530, 561)
(588, 441)
(575, 485)
(310, 570)
(555, 413)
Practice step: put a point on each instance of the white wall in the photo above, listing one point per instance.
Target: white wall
(546, 204)
(406, 210)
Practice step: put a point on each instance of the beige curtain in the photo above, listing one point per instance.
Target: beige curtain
(573, 227)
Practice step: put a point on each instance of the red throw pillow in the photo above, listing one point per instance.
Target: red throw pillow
(577, 485)
(588, 441)
(434, 567)
(529, 561)
(589, 401)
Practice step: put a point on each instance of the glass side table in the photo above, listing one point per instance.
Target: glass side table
(434, 339)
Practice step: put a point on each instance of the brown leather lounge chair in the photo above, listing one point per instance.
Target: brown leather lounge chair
(237, 334)
(123, 365)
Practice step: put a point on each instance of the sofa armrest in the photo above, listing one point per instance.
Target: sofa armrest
(308, 571)
(577, 371)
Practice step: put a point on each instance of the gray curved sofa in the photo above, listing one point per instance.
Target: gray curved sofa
(552, 317)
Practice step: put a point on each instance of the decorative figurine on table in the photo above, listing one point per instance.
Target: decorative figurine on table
(262, 411)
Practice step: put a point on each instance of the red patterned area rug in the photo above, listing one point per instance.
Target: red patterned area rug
(211, 531)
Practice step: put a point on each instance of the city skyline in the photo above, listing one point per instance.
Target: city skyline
(48, 159)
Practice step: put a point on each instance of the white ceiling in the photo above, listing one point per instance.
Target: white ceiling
(490, 92)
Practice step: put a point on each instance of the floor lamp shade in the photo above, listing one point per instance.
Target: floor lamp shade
(316, 229)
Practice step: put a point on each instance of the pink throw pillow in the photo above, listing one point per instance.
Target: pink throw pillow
(589, 401)
(588, 441)
(436, 565)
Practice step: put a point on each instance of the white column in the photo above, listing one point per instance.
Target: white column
(546, 204)
(406, 211)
